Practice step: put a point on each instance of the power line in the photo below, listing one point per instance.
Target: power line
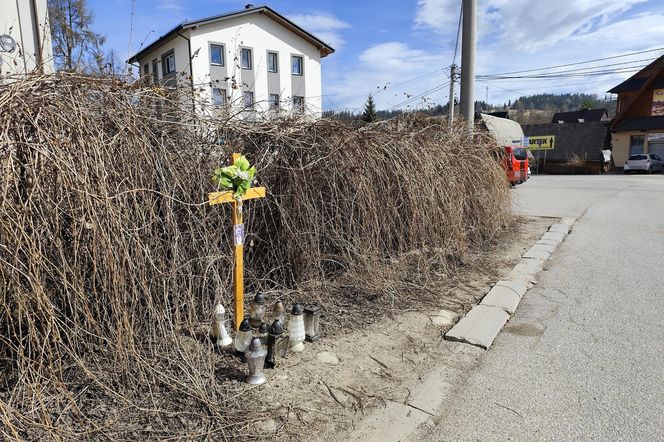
(579, 62)
(579, 69)
(458, 35)
(420, 95)
(572, 74)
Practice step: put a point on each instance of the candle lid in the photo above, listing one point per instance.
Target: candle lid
(277, 328)
(259, 298)
(219, 309)
(297, 309)
(262, 328)
(312, 308)
(245, 325)
(255, 344)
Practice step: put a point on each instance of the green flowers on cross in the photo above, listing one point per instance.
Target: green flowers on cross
(236, 178)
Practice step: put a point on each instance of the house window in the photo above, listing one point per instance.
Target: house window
(636, 143)
(217, 55)
(218, 97)
(298, 104)
(297, 65)
(168, 63)
(245, 58)
(155, 71)
(272, 62)
(248, 100)
(146, 69)
(274, 101)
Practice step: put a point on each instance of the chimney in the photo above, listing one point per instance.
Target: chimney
(248, 6)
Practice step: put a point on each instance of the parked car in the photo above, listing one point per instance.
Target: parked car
(644, 162)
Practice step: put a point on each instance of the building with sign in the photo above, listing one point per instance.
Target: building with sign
(25, 42)
(638, 126)
(568, 148)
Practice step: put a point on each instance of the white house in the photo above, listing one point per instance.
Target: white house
(25, 42)
(255, 58)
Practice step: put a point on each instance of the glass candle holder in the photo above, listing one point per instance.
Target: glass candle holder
(257, 310)
(219, 327)
(274, 337)
(262, 333)
(279, 313)
(312, 323)
(243, 337)
(296, 329)
(255, 356)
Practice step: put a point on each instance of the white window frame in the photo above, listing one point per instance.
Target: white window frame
(166, 65)
(249, 94)
(274, 101)
(298, 107)
(221, 49)
(297, 57)
(276, 61)
(222, 95)
(251, 61)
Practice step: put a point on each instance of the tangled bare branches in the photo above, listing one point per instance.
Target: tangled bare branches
(111, 261)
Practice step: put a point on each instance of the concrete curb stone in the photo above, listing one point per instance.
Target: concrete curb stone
(483, 322)
(479, 327)
(519, 287)
(561, 228)
(554, 236)
(538, 252)
(502, 297)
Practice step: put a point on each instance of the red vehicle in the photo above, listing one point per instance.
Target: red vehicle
(515, 163)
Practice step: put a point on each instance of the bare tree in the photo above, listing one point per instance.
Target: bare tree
(75, 46)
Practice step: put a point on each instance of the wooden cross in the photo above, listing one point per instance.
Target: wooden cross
(238, 238)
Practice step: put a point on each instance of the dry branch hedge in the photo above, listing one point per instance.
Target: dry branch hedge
(111, 261)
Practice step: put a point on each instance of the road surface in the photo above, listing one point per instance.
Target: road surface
(583, 357)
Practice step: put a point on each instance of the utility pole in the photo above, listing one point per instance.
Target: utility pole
(453, 74)
(468, 43)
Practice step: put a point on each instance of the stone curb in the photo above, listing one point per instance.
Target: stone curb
(483, 322)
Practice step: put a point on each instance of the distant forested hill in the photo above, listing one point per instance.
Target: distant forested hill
(561, 102)
(526, 109)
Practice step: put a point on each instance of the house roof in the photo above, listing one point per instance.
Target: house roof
(583, 140)
(634, 84)
(499, 114)
(323, 47)
(506, 132)
(585, 115)
(651, 76)
(640, 123)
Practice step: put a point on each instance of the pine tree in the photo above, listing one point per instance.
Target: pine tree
(369, 114)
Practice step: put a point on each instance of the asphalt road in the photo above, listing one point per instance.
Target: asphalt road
(583, 357)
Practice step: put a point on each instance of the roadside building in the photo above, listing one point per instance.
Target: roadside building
(26, 23)
(638, 126)
(581, 116)
(576, 148)
(254, 59)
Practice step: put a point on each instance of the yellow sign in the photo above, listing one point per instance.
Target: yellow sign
(657, 103)
(544, 142)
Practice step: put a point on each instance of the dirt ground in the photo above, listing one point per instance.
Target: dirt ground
(325, 391)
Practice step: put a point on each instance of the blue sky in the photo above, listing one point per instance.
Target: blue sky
(401, 49)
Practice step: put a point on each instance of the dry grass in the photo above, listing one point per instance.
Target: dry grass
(111, 261)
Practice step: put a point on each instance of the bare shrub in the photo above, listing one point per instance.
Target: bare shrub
(111, 259)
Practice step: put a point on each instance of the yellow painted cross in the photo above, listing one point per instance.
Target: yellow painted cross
(238, 239)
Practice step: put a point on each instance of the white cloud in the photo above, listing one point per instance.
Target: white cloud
(170, 5)
(529, 25)
(324, 26)
(514, 35)
(386, 69)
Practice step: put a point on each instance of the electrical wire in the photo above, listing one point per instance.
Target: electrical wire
(578, 63)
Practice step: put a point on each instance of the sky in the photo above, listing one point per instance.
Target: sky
(401, 50)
